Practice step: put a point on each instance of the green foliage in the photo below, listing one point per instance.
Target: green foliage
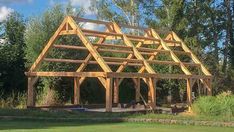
(220, 105)
(12, 68)
(13, 100)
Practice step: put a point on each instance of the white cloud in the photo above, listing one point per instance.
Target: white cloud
(90, 26)
(82, 3)
(4, 12)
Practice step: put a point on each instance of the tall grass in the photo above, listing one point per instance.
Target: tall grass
(14, 100)
(220, 105)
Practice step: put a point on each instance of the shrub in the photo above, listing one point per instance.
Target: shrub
(220, 105)
(48, 97)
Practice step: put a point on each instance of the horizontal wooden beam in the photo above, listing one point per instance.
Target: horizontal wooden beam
(172, 41)
(95, 33)
(173, 45)
(191, 64)
(66, 74)
(135, 37)
(113, 46)
(118, 59)
(67, 32)
(115, 75)
(181, 76)
(163, 62)
(152, 50)
(130, 75)
(133, 27)
(70, 47)
(78, 19)
(100, 49)
(89, 62)
(116, 51)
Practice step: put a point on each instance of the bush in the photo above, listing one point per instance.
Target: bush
(220, 105)
(48, 97)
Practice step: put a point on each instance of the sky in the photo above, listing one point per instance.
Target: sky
(29, 8)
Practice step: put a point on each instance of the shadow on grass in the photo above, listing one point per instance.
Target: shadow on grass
(12, 119)
(43, 124)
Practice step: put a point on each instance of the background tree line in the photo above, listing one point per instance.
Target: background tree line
(206, 27)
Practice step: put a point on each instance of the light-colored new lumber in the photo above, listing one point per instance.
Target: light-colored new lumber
(31, 93)
(66, 74)
(109, 88)
(76, 91)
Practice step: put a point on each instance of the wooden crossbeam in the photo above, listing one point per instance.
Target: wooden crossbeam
(115, 75)
(152, 50)
(113, 46)
(110, 62)
(116, 51)
(117, 59)
(134, 37)
(95, 33)
(133, 27)
(163, 62)
(79, 19)
(66, 74)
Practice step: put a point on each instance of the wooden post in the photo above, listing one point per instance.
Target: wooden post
(138, 89)
(209, 89)
(189, 94)
(109, 87)
(152, 92)
(76, 91)
(31, 93)
(116, 90)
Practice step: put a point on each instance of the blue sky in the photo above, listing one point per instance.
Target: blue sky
(35, 7)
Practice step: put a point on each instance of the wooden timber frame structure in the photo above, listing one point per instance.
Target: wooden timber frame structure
(111, 79)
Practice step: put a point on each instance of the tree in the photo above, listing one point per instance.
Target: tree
(229, 28)
(120, 11)
(12, 55)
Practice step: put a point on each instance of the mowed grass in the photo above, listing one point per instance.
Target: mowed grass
(45, 126)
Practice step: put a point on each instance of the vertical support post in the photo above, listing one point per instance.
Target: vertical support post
(109, 86)
(199, 87)
(138, 89)
(209, 89)
(189, 94)
(76, 90)
(152, 92)
(31, 93)
(116, 90)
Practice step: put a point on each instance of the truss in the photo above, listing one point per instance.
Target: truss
(141, 51)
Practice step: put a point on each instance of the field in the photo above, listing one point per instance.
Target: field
(102, 127)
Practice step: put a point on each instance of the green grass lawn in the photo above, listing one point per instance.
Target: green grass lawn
(46, 126)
